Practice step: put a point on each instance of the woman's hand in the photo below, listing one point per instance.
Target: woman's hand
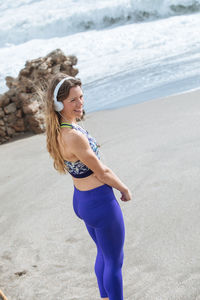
(80, 148)
(126, 195)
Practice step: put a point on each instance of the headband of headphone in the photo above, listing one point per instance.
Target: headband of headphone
(58, 105)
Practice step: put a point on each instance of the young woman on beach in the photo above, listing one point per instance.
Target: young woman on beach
(75, 151)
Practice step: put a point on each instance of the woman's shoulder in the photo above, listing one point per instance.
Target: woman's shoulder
(71, 136)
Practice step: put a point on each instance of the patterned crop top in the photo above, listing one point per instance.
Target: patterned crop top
(77, 169)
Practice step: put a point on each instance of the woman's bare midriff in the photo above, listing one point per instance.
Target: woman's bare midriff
(87, 183)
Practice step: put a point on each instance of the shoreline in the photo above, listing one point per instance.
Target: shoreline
(146, 96)
(29, 134)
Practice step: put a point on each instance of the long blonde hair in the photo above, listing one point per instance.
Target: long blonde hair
(52, 118)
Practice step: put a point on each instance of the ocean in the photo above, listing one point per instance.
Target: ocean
(128, 51)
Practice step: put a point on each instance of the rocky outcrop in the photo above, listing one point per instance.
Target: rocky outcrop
(21, 109)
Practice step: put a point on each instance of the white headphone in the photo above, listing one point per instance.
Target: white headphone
(58, 105)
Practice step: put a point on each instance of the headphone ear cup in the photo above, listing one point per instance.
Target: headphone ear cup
(58, 106)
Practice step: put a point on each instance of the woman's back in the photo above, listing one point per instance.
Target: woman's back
(75, 166)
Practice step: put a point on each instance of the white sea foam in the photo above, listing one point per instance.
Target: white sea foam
(151, 59)
(24, 20)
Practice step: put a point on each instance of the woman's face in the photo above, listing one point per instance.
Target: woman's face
(73, 104)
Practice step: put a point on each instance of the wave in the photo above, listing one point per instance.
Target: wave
(42, 19)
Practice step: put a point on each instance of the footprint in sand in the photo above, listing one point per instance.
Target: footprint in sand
(21, 273)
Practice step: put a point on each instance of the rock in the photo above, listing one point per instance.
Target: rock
(24, 72)
(9, 81)
(11, 118)
(73, 59)
(1, 100)
(10, 131)
(35, 125)
(74, 72)
(57, 56)
(56, 69)
(43, 66)
(34, 63)
(4, 100)
(24, 97)
(14, 99)
(21, 108)
(49, 61)
(2, 114)
(19, 113)
(10, 108)
(2, 131)
(3, 140)
(28, 84)
(19, 125)
(11, 93)
(66, 66)
(30, 108)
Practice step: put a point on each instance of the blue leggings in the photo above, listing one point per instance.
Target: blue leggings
(101, 212)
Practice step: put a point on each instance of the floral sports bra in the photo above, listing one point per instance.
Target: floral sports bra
(77, 169)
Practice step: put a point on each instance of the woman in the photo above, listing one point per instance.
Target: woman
(75, 151)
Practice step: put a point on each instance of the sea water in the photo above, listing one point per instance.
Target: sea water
(128, 50)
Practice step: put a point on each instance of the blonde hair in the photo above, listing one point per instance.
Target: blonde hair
(52, 118)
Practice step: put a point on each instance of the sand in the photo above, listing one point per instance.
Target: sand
(45, 250)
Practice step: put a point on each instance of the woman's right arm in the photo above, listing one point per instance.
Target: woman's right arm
(110, 178)
(80, 147)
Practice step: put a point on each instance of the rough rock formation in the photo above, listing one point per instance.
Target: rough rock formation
(21, 109)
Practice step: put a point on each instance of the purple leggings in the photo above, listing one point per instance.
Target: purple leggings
(101, 212)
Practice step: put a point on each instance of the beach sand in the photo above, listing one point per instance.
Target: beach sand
(45, 250)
